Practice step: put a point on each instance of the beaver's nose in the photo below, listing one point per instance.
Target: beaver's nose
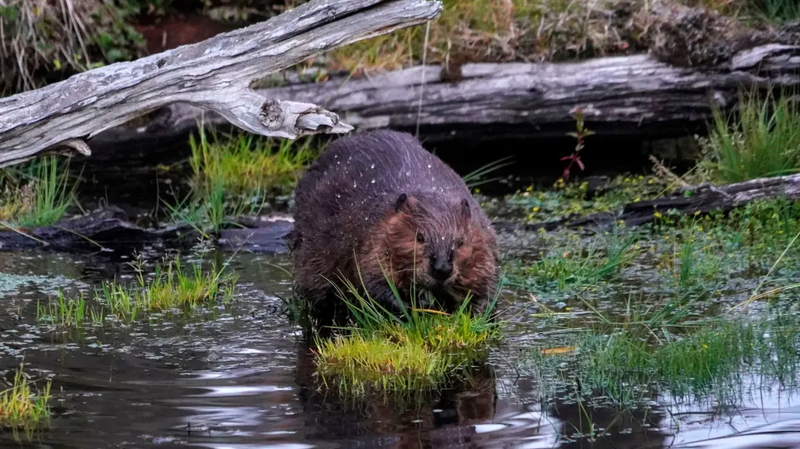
(441, 269)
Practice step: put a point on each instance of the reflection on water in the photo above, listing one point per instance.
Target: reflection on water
(244, 378)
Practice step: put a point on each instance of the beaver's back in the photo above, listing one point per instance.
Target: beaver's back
(357, 179)
(372, 168)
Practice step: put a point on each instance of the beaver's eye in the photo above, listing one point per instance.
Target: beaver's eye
(459, 243)
(421, 238)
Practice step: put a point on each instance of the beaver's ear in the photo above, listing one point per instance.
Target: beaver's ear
(466, 211)
(402, 203)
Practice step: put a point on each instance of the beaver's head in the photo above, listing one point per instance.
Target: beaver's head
(429, 240)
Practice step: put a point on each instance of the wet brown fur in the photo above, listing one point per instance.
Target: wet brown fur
(358, 213)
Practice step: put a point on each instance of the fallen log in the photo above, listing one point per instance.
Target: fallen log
(215, 75)
(626, 95)
(701, 199)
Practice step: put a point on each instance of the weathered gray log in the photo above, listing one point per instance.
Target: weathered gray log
(703, 199)
(621, 95)
(215, 75)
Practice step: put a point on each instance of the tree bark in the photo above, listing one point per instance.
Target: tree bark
(215, 75)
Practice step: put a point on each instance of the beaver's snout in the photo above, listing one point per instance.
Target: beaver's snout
(441, 268)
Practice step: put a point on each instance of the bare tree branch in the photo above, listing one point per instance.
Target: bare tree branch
(214, 74)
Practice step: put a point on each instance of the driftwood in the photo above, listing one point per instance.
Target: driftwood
(626, 95)
(703, 199)
(215, 74)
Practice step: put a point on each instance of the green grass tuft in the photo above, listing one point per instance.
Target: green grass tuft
(237, 175)
(420, 350)
(763, 140)
(38, 194)
(21, 408)
(173, 286)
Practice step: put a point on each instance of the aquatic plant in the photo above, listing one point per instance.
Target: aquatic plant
(762, 140)
(688, 361)
(171, 287)
(419, 349)
(69, 312)
(576, 199)
(573, 264)
(21, 408)
(37, 194)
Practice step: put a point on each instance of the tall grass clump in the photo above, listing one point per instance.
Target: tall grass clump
(778, 11)
(762, 140)
(415, 350)
(173, 286)
(21, 408)
(237, 174)
(46, 41)
(38, 194)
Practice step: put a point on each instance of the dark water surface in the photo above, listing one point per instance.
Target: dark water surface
(241, 377)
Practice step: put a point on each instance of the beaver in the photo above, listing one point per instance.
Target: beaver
(377, 205)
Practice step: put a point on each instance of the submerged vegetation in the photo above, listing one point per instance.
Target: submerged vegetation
(420, 350)
(21, 408)
(172, 287)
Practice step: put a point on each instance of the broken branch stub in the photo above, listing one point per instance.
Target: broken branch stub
(214, 74)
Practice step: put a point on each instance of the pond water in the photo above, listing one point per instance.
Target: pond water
(242, 376)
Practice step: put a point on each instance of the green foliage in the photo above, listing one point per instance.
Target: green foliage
(571, 266)
(573, 199)
(762, 140)
(777, 11)
(236, 175)
(419, 350)
(38, 194)
(670, 337)
(21, 408)
(172, 287)
(702, 359)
